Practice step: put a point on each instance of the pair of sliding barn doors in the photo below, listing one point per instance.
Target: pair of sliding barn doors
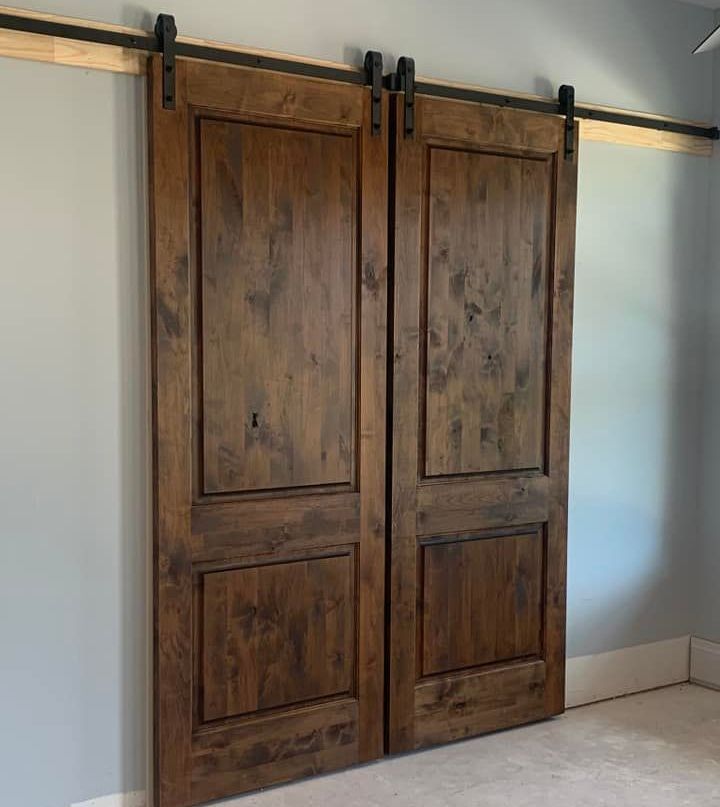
(360, 471)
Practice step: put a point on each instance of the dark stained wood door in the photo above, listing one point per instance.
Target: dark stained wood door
(483, 277)
(269, 211)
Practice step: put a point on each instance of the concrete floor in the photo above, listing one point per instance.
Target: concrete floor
(660, 749)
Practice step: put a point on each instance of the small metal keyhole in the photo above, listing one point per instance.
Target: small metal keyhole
(254, 420)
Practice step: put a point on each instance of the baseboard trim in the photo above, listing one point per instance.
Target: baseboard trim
(705, 662)
(632, 669)
(136, 798)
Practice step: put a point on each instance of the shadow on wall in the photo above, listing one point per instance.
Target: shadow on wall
(635, 418)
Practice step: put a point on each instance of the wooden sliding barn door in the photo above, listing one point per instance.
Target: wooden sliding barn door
(483, 280)
(268, 201)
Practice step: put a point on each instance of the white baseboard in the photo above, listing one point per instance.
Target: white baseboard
(632, 669)
(705, 663)
(134, 799)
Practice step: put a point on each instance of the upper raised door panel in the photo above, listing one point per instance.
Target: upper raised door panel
(277, 241)
(488, 265)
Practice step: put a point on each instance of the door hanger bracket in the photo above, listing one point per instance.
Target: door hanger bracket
(406, 85)
(374, 78)
(566, 95)
(166, 32)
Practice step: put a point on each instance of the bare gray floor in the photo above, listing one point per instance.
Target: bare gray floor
(660, 749)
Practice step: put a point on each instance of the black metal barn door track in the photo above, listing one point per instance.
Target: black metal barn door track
(164, 41)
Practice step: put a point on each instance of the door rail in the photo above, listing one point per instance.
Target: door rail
(137, 41)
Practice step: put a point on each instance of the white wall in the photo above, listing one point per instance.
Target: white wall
(73, 347)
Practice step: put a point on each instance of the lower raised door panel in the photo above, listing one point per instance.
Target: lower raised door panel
(481, 600)
(481, 618)
(276, 635)
(275, 670)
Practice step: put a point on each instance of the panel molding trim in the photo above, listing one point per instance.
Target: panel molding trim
(623, 672)
(705, 663)
(95, 56)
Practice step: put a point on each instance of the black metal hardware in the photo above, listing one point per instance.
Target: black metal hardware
(486, 97)
(566, 96)
(166, 32)
(659, 124)
(150, 44)
(374, 77)
(553, 108)
(311, 69)
(406, 84)
(80, 33)
(403, 80)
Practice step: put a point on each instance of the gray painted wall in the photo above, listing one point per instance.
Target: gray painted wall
(73, 348)
(73, 435)
(635, 436)
(707, 591)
